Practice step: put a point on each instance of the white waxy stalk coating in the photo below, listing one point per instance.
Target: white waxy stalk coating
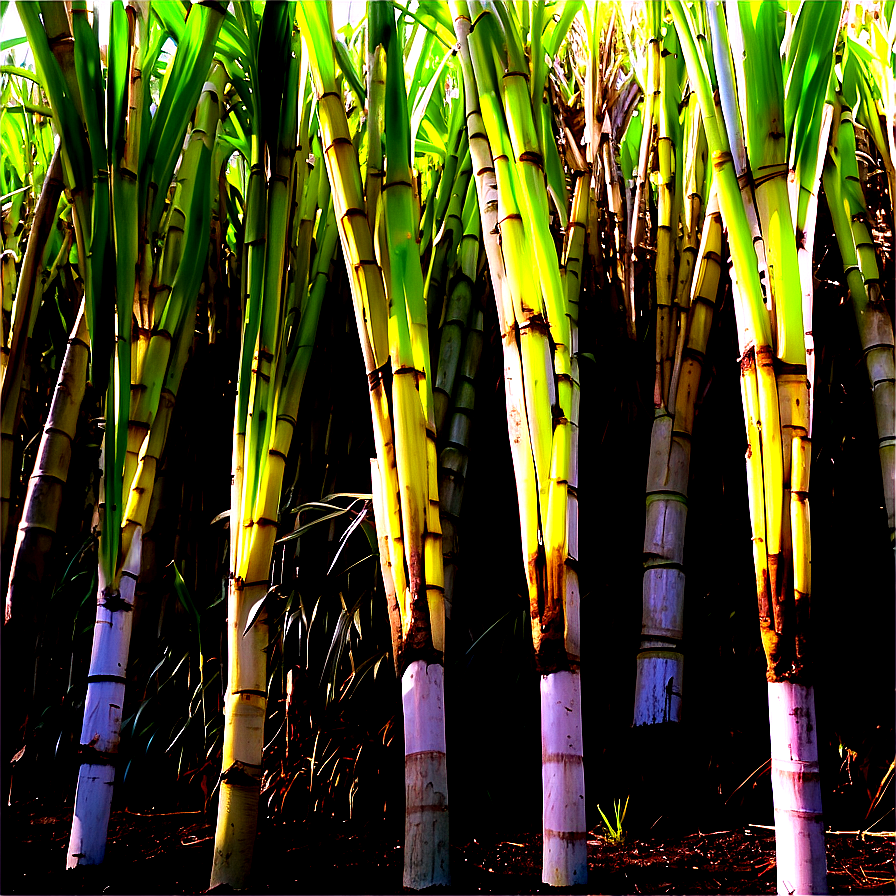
(796, 789)
(101, 729)
(426, 783)
(565, 860)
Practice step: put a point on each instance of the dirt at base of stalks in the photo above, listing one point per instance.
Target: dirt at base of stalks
(171, 854)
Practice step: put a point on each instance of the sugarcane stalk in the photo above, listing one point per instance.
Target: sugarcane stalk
(43, 498)
(670, 162)
(266, 410)
(875, 328)
(775, 395)
(660, 665)
(160, 382)
(457, 306)
(540, 388)
(454, 458)
(806, 205)
(487, 193)
(388, 295)
(426, 790)
(652, 100)
(36, 534)
(23, 314)
(455, 436)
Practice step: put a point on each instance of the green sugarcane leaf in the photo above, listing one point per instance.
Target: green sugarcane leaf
(809, 64)
(423, 101)
(90, 83)
(183, 85)
(369, 531)
(868, 115)
(349, 72)
(232, 41)
(183, 660)
(171, 17)
(554, 34)
(435, 11)
(556, 177)
(301, 530)
(21, 73)
(120, 38)
(343, 541)
(764, 113)
(184, 596)
(424, 62)
(273, 68)
(265, 602)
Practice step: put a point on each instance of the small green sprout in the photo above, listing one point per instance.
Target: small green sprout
(614, 832)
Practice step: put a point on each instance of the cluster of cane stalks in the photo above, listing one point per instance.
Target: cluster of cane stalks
(227, 180)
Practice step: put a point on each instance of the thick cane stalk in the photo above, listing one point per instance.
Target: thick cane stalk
(388, 294)
(266, 409)
(775, 388)
(540, 385)
(660, 671)
(160, 378)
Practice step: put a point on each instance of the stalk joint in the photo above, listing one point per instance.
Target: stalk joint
(241, 775)
(112, 601)
(88, 754)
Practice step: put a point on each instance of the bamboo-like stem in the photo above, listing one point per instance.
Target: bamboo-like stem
(757, 356)
(455, 436)
(154, 389)
(263, 429)
(24, 312)
(454, 457)
(775, 394)
(659, 684)
(459, 298)
(670, 161)
(653, 94)
(447, 242)
(537, 323)
(26, 595)
(161, 382)
(487, 192)
(875, 328)
(388, 296)
(43, 498)
(806, 207)
(693, 207)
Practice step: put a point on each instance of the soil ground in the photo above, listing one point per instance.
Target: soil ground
(171, 854)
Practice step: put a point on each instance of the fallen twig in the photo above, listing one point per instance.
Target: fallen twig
(862, 835)
(162, 814)
(195, 840)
